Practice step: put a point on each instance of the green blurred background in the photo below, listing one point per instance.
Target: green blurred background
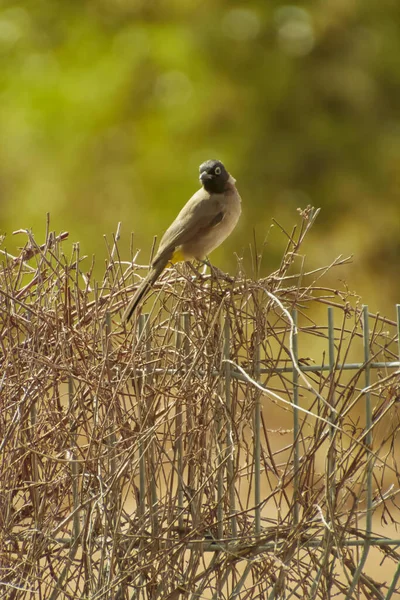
(107, 109)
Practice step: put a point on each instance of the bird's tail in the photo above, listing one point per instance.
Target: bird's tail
(143, 288)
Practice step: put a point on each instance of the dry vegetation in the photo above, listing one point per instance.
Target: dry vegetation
(158, 460)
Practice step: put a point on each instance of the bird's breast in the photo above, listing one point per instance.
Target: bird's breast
(210, 238)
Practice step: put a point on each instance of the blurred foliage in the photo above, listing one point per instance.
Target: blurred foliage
(107, 108)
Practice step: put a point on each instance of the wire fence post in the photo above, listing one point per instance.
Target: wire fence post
(230, 445)
(257, 437)
(142, 460)
(369, 456)
(330, 463)
(296, 427)
(179, 431)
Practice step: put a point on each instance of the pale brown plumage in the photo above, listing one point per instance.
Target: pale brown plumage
(204, 223)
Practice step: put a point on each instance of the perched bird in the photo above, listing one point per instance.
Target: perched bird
(204, 223)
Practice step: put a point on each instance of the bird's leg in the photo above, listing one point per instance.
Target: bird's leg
(197, 273)
(217, 273)
(206, 263)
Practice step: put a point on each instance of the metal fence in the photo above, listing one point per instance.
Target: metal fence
(229, 536)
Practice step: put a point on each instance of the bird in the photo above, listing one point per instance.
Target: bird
(205, 221)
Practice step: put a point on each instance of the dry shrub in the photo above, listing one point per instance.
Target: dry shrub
(159, 460)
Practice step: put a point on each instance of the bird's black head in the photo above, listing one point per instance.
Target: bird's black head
(213, 176)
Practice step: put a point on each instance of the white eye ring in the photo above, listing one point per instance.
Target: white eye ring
(217, 170)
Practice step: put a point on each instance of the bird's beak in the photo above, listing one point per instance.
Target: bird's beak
(204, 176)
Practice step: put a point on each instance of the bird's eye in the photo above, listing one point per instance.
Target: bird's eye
(217, 170)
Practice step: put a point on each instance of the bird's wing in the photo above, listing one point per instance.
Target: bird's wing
(200, 214)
